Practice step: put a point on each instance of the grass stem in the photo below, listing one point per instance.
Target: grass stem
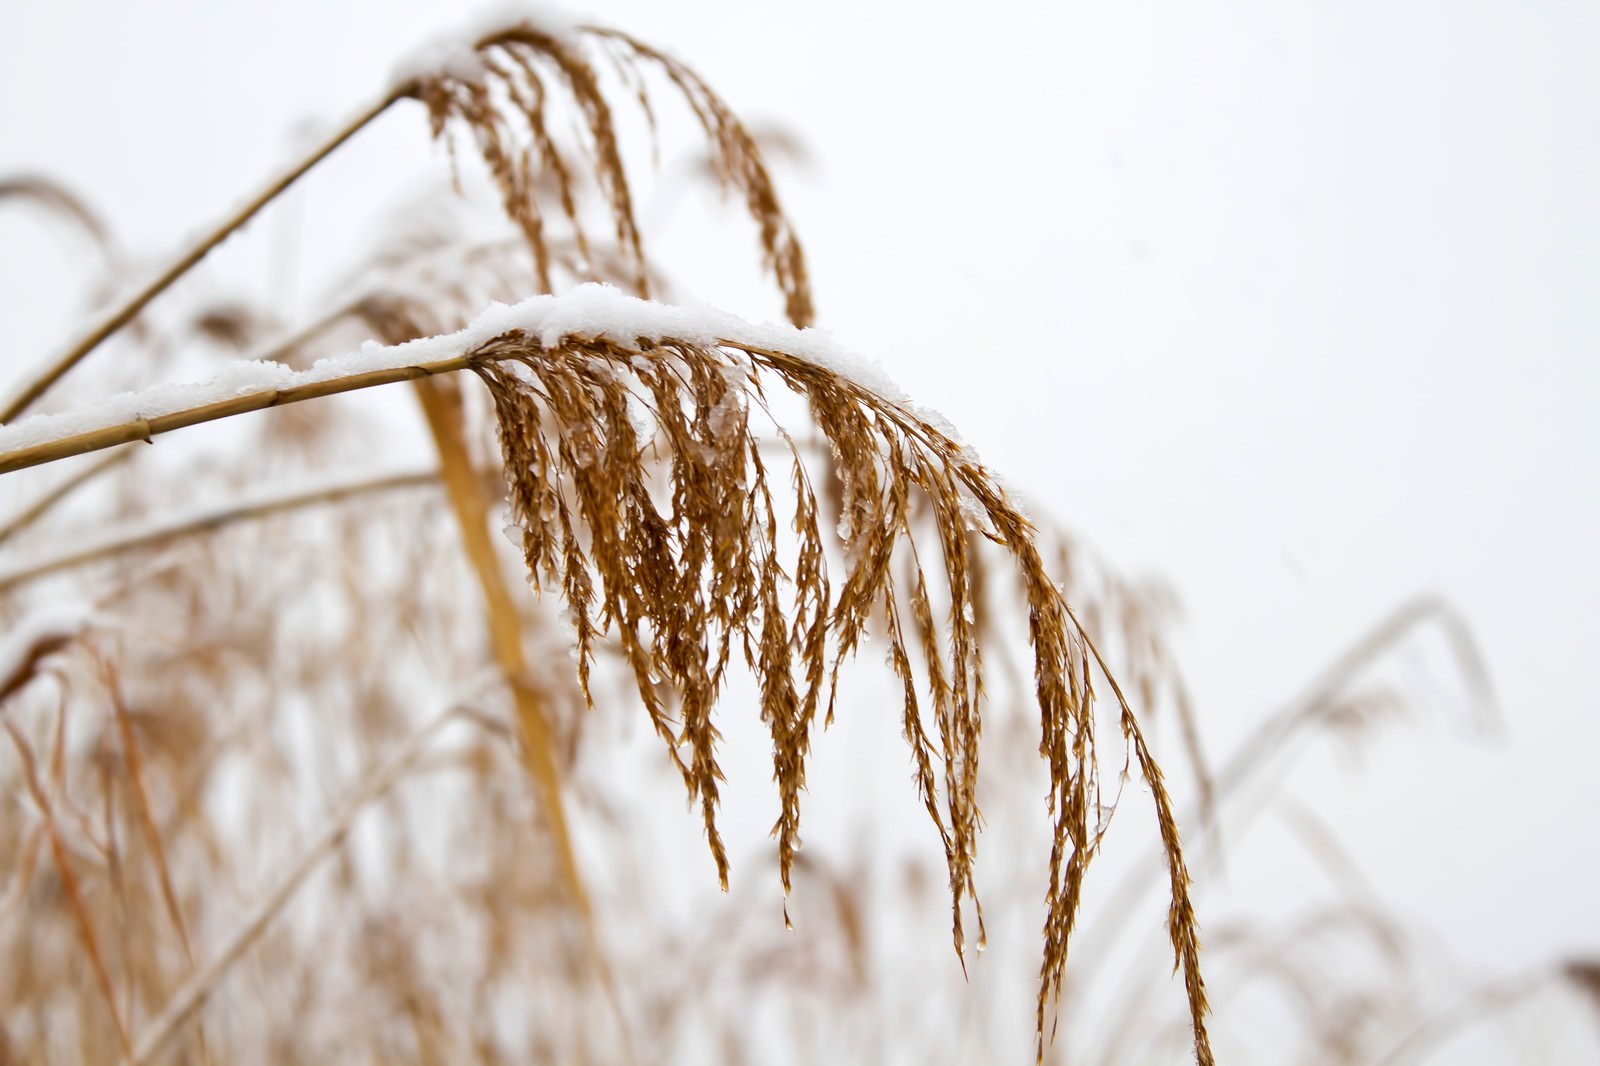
(123, 312)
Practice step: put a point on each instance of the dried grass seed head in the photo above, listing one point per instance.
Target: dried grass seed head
(503, 101)
(689, 575)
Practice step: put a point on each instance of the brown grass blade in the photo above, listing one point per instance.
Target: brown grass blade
(69, 885)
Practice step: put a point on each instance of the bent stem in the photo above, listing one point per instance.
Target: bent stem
(145, 428)
(123, 312)
(70, 886)
(440, 399)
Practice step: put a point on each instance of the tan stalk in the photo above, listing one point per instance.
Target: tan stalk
(124, 311)
(441, 404)
(440, 398)
(146, 428)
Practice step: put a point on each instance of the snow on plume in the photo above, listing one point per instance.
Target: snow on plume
(454, 53)
(601, 312)
(594, 312)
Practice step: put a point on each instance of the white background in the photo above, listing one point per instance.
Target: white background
(1291, 304)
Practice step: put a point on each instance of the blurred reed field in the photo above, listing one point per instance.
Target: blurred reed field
(343, 725)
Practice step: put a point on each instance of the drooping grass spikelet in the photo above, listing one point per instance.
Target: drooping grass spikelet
(501, 96)
(737, 162)
(643, 496)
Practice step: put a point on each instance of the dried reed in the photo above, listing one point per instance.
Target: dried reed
(691, 579)
(503, 102)
(650, 503)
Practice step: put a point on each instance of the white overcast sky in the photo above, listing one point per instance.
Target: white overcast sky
(1292, 304)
